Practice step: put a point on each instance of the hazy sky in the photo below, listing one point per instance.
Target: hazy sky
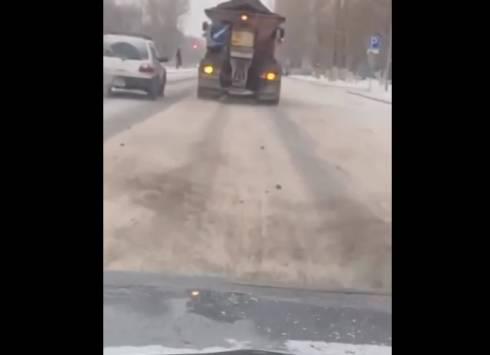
(192, 24)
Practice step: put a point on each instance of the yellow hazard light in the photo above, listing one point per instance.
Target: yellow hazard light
(271, 76)
(244, 17)
(208, 69)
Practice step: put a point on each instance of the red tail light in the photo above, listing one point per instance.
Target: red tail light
(147, 68)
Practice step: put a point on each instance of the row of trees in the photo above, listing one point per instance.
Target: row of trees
(334, 34)
(158, 18)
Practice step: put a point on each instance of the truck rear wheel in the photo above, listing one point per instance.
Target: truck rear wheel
(200, 93)
(206, 94)
(274, 102)
(270, 102)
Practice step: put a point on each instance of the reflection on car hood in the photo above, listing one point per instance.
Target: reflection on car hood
(205, 315)
(292, 348)
(151, 350)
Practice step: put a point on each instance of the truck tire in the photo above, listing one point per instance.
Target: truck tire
(203, 94)
(269, 102)
(274, 102)
(200, 94)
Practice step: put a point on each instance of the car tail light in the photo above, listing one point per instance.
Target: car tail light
(146, 68)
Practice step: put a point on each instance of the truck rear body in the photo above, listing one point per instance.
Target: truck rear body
(240, 55)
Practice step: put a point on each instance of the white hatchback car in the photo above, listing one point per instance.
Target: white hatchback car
(132, 62)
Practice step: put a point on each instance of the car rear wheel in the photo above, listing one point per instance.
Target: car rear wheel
(162, 89)
(155, 89)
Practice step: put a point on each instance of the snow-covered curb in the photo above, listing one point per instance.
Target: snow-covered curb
(380, 98)
(341, 84)
(359, 88)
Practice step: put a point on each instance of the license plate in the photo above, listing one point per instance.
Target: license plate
(242, 39)
(118, 82)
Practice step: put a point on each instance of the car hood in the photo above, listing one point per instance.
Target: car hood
(149, 314)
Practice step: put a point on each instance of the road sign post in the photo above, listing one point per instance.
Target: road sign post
(388, 59)
(371, 64)
(373, 50)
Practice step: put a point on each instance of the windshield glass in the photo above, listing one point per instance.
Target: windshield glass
(126, 50)
(247, 176)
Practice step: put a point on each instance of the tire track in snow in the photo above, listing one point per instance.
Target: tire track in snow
(348, 234)
(176, 235)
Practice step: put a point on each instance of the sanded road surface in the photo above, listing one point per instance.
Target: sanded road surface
(297, 195)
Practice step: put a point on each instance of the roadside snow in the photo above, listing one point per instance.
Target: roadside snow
(374, 90)
(182, 70)
(181, 74)
(343, 84)
(377, 92)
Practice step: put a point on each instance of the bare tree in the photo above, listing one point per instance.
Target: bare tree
(162, 22)
(121, 18)
(295, 46)
(334, 33)
(157, 18)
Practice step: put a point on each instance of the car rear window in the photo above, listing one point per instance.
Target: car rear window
(126, 50)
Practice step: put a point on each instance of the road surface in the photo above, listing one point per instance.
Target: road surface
(297, 195)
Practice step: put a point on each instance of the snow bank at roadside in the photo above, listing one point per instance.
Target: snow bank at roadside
(374, 90)
(376, 96)
(343, 84)
(377, 92)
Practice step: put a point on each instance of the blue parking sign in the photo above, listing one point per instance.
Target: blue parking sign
(375, 42)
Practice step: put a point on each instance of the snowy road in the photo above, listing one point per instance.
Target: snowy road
(128, 108)
(297, 195)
